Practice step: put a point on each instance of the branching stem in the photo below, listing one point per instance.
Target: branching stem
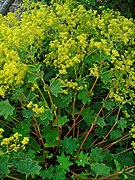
(74, 123)
(92, 126)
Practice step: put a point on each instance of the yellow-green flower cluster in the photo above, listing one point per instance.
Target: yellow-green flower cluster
(12, 70)
(69, 84)
(13, 143)
(34, 86)
(35, 108)
(1, 132)
(69, 52)
(94, 71)
(20, 37)
(73, 33)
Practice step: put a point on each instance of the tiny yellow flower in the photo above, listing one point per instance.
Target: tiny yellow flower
(30, 104)
(25, 141)
(1, 132)
(5, 141)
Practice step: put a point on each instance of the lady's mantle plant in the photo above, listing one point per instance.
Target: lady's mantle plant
(67, 93)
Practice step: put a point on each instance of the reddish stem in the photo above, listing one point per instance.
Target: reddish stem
(111, 128)
(92, 126)
(111, 144)
(117, 173)
(74, 123)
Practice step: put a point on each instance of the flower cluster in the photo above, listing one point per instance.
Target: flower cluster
(19, 41)
(68, 34)
(94, 71)
(70, 84)
(35, 108)
(14, 143)
(1, 132)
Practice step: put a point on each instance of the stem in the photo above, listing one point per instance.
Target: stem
(125, 150)
(111, 144)
(59, 139)
(92, 126)
(78, 176)
(94, 84)
(56, 116)
(37, 134)
(40, 138)
(111, 128)
(73, 113)
(110, 112)
(117, 173)
(11, 177)
(53, 108)
(59, 132)
(43, 97)
(50, 97)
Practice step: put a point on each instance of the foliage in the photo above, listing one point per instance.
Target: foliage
(125, 7)
(67, 93)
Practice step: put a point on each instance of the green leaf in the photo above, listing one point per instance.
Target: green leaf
(88, 141)
(117, 164)
(63, 100)
(28, 113)
(106, 77)
(101, 169)
(47, 173)
(88, 115)
(64, 161)
(20, 155)
(69, 144)
(56, 87)
(34, 73)
(1, 152)
(92, 59)
(83, 95)
(61, 120)
(115, 134)
(82, 159)
(111, 120)
(100, 121)
(32, 77)
(93, 2)
(6, 109)
(66, 99)
(51, 136)
(100, 132)
(122, 123)
(59, 174)
(34, 68)
(96, 155)
(23, 127)
(28, 167)
(4, 166)
(127, 161)
(47, 114)
(109, 104)
(108, 156)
